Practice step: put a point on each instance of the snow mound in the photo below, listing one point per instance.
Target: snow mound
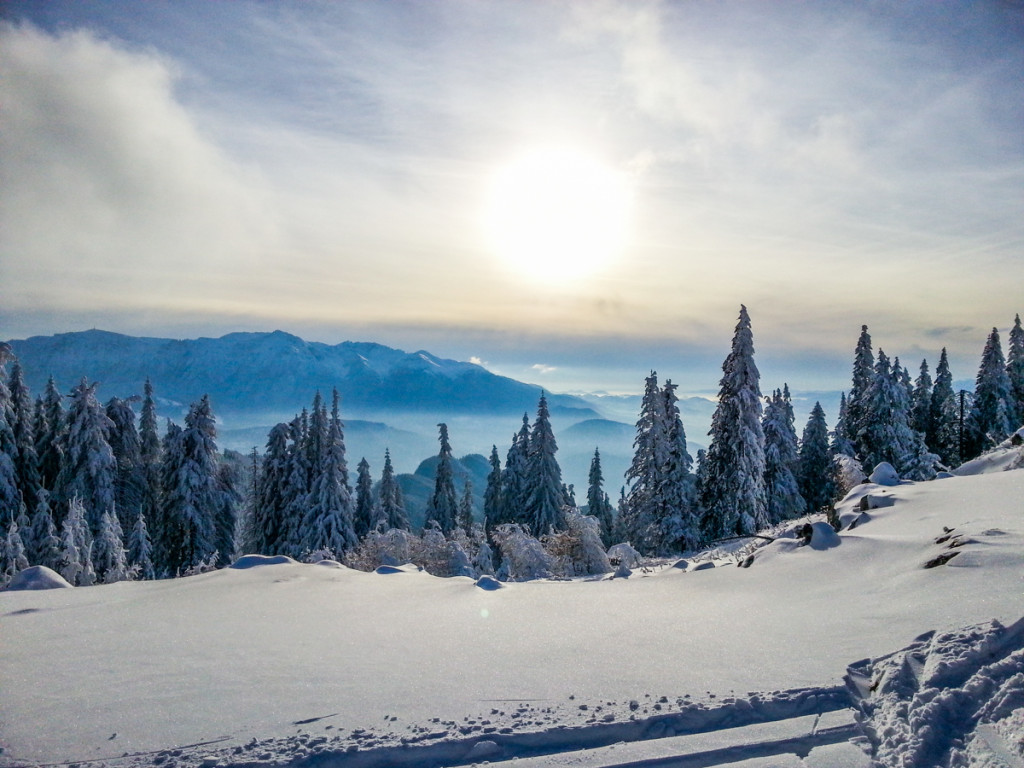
(952, 698)
(1008, 455)
(624, 554)
(823, 536)
(329, 563)
(489, 583)
(885, 474)
(388, 569)
(37, 577)
(254, 561)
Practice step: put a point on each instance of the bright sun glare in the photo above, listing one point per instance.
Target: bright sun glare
(557, 214)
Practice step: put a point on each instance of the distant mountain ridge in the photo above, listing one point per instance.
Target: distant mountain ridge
(273, 374)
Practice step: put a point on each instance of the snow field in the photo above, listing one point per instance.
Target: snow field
(288, 661)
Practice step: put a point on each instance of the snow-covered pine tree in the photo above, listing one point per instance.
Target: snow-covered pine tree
(598, 505)
(921, 402)
(42, 542)
(50, 435)
(390, 502)
(679, 526)
(863, 373)
(316, 437)
(140, 550)
(130, 482)
(329, 524)
(442, 507)
(493, 502)
(544, 510)
(814, 474)
(841, 443)
(269, 523)
(785, 501)
(76, 547)
(944, 439)
(642, 504)
(109, 558)
(296, 489)
(225, 520)
(10, 495)
(515, 487)
(89, 470)
(193, 494)
(989, 419)
(733, 493)
(12, 554)
(23, 411)
(1015, 371)
(363, 520)
(465, 513)
(150, 460)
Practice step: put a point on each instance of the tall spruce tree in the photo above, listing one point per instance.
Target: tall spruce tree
(841, 443)
(781, 459)
(856, 401)
(22, 424)
(10, 495)
(494, 507)
(150, 459)
(90, 469)
(643, 504)
(733, 493)
(364, 499)
(442, 507)
(42, 542)
(1015, 372)
(329, 524)
(989, 420)
(921, 413)
(50, 436)
(814, 473)
(140, 550)
(270, 523)
(109, 558)
(130, 482)
(944, 439)
(465, 514)
(598, 504)
(193, 495)
(296, 488)
(515, 487)
(544, 510)
(390, 502)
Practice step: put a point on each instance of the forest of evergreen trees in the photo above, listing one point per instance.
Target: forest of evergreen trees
(96, 493)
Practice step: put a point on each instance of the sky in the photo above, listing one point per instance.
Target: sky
(570, 193)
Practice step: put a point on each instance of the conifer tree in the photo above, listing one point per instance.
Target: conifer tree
(109, 558)
(129, 484)
(329, 524)
(316, 436)
(26, 459)
(1015, 372)
(42, 543)
(10, 495)
(76, 547)
(781, 459)
(679, 526)
(50, 435)
(598, 504)
(989, 420)
(89, 470)
(643, 504)
(296, 488)
(442, 506)
(544, 510)
(944, 439)
(270, 524)
(193, 495)
(465, 514)
(493, 501)
(856, 405)
(149, 458)
(814, 474)
(921, 403)
(515, 488)
(841, 443)
(225, 518)
(733, 493)
(364, 499)
(140, 550)
(391, 505)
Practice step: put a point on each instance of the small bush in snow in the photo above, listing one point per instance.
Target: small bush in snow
(847, 472)
(523, 556)
(577, 550)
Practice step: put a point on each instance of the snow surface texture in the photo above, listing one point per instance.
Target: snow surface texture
(710, 664)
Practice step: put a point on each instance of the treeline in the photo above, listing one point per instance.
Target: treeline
(99, 495)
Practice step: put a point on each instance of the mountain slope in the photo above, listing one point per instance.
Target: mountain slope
(267, 376)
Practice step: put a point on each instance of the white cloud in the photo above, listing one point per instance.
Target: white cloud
(543, 369)
(111, 195)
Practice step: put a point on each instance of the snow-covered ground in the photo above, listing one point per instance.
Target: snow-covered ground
(320, 664)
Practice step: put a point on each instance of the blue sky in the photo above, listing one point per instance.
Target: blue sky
(195, 168)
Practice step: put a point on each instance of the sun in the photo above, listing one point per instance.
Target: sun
(556, 213)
